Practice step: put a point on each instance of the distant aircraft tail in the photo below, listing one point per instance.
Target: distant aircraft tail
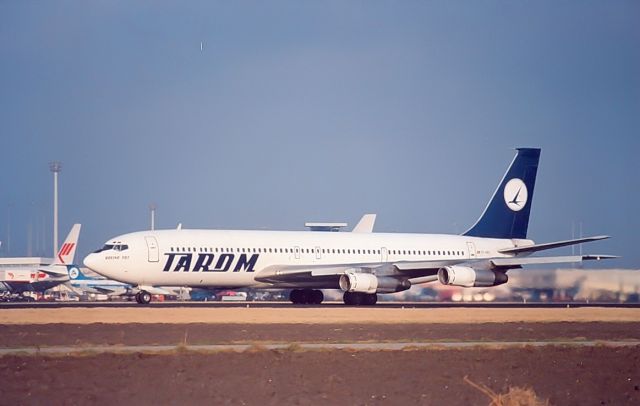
(76, 274)
(67, 251)
(507, 214)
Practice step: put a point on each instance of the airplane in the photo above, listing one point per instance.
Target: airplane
(362, 265)
(79, 281)
(41, 278)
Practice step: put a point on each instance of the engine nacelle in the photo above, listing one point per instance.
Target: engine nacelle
(469, 277)
(368, 283)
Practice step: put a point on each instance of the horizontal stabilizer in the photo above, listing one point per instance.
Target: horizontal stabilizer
(547, 246)
(514, 262)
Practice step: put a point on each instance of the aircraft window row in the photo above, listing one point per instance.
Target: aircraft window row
(304, 250)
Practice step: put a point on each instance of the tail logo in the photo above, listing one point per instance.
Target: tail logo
(515, 194)
(74, 273)
(65, 250)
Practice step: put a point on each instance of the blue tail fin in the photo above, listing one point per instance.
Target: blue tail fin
(507, 214)
(75, 273)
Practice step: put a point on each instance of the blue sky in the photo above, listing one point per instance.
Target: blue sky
(297, 111)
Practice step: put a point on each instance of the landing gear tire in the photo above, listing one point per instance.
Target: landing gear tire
(306, 296)
(143, 297)
(316, 297)
(370, 299)
(358, 298)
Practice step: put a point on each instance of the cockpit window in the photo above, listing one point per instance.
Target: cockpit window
(105, 248)
(115, 247)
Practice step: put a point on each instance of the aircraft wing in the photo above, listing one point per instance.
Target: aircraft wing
(155, 290)
(103, 290)
(307, 274)
(54, 270)
(415, 271)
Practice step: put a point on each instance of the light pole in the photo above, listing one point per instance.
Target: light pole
(152, 208)
(55, 167)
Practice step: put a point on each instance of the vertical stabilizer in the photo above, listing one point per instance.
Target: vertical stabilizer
(507, 214)
(67, 251)
(365, 225)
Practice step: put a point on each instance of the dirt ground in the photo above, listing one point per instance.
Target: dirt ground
(564, 376)
(318, 315)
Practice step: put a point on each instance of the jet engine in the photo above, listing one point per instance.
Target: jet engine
(369, 283)
(469, 277)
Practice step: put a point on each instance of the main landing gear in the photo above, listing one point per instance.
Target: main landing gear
(143, 297)
(358, 298)
(306, 296)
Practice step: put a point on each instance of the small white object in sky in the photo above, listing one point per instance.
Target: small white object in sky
(200, 46)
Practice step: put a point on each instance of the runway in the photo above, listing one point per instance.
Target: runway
(336, 314)
(260, 304)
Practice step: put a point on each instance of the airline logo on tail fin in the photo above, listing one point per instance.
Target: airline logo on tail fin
(74, 273)
(65, 250)
(515, 194)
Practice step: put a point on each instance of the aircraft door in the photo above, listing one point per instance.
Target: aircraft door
(384, 254)
(152, 246)
(472, 250)
(296, 250)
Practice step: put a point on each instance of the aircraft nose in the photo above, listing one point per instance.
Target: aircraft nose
(91, 262)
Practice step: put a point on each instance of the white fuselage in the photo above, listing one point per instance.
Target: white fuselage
(232, 259)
